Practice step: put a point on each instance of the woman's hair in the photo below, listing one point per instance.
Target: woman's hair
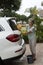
(31, 20)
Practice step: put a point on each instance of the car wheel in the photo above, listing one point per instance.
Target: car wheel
(1, 62)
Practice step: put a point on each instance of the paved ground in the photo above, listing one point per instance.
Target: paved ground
(39, 60)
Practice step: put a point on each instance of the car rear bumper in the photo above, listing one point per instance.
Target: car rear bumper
(15, 58)
(15, 54)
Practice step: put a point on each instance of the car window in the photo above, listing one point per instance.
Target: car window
(12, 25)
(1, 28)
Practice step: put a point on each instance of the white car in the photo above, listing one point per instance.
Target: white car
(11, 44)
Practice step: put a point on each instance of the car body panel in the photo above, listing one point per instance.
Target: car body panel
(9, 52)
(7, 48)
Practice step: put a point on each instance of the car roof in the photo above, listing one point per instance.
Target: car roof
(4, 24)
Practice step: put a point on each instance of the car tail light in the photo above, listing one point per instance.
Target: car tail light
(13, 37)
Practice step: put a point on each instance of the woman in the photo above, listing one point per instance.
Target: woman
(32, 37)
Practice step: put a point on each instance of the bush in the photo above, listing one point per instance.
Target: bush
(39, 31)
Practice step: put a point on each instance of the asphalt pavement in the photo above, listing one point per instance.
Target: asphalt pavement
(23, 60)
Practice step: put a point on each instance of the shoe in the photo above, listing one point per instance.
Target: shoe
(34, 59)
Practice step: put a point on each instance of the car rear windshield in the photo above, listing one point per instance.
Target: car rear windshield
(1, 28)
(12, 25)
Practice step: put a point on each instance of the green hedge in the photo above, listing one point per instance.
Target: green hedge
(39, 29)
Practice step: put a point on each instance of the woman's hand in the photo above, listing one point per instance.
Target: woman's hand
(26, 33)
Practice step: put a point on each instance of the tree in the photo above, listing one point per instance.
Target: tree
(10, 4)
(39, 31)
(20, 17)
(39, 28)
(32, 10)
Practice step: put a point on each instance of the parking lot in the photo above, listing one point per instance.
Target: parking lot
(23, 61)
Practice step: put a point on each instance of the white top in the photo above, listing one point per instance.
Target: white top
(32, 34)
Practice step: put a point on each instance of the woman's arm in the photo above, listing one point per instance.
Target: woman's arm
(31, 30)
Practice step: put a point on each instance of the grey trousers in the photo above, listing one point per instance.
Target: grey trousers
(32, 44)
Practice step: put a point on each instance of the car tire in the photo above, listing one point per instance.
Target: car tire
(1, 62)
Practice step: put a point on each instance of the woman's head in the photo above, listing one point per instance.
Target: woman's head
(31, 21)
